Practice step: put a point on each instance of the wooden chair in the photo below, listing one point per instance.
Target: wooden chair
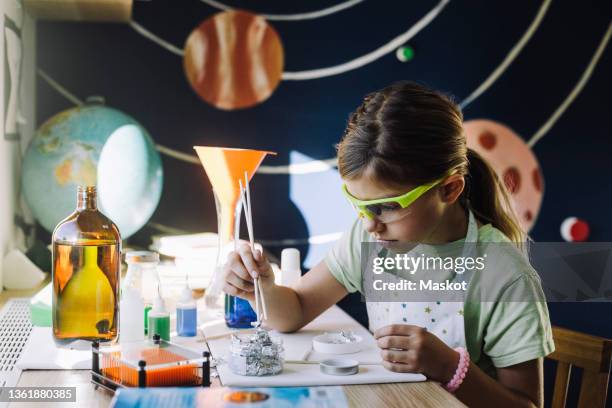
(591, 353)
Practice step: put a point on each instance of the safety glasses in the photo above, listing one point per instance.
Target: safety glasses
(389, 209)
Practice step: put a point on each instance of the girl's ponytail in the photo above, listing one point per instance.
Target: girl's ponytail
(487, 196)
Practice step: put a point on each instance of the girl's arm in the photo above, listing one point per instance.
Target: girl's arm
(288, 309)
(407, 348)
(519, 385)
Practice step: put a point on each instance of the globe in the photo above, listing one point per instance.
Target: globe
(92, 145)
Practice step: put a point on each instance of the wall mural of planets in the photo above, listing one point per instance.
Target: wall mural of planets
(234, 60)
(514, 163)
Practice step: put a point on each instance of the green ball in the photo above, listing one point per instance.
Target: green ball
(405, 53)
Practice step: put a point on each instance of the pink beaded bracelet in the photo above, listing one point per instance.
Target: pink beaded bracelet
(462, 368)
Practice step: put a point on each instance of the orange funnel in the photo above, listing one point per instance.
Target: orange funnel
(224, 167)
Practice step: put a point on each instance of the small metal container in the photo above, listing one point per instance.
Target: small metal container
(339, 366)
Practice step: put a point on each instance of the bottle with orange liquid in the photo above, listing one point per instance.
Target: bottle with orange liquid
(86, 272)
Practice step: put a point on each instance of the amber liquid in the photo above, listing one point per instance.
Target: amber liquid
(85, 291)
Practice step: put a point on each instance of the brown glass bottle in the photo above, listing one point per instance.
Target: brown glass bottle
(86, 273)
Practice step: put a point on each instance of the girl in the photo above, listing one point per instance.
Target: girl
(406, 168)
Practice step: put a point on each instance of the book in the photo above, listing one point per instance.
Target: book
(226, 397)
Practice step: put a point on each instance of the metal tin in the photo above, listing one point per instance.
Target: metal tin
(339, 366)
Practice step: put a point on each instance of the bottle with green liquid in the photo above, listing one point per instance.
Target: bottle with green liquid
(86, 272)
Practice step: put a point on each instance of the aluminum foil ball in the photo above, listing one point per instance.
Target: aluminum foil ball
(513, 161)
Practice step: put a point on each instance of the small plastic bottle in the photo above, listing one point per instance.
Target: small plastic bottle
(142, 275)
(290, 266)
(186, 314)
(159, 319)
(131, 323)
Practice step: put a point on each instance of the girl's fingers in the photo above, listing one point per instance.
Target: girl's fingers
(399, 367)
(393, 342)
(394, 356)
(264, 267)
(254, 262)
(234, 291)
(398, 330)
(236, 266)
(247, 259)
(239, 283)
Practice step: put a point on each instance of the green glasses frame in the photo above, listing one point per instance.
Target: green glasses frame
(403, 200)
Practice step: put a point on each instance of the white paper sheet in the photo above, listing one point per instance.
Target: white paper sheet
(41, 353)
(298, 344)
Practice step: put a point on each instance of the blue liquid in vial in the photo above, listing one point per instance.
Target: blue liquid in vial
(238, 313)
(186, 322)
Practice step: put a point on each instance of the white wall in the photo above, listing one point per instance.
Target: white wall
(24, 124)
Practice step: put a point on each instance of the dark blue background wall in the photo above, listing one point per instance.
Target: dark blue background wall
(455, 54)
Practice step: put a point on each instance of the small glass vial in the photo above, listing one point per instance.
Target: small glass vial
(186, 314)
(85, 272)
(159, 320)
(238, 313)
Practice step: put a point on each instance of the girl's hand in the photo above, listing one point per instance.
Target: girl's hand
(240, 269)
(412, 349)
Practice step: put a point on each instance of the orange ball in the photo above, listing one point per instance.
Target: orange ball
(234, 60)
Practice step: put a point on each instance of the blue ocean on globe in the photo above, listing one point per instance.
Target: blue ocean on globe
(93, 145)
